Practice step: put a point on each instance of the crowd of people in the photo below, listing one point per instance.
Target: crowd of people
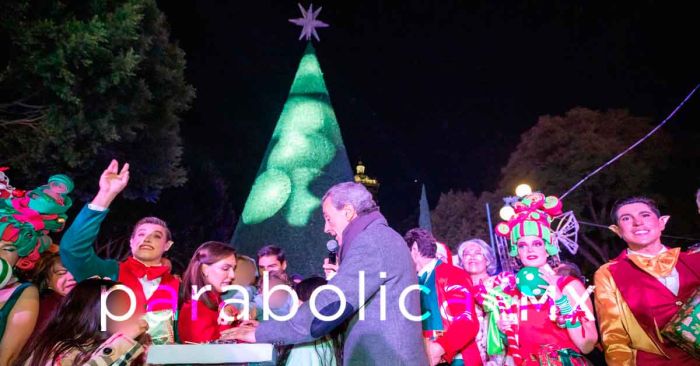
(390, 299)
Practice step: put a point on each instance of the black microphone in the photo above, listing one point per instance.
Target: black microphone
(332, 247)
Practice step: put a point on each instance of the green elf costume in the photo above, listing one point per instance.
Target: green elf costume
(154, 287)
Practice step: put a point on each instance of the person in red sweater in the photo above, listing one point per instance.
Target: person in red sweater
(213, 264)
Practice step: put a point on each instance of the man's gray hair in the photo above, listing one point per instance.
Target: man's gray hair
(353, 194)
(485, 249)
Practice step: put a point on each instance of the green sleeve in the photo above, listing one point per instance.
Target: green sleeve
(77, 252)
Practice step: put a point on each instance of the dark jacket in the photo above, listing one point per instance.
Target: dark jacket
(392, 339)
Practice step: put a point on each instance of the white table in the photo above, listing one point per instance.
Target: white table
(210, 353)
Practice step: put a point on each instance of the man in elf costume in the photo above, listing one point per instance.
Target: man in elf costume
(449, 320)
(638, 292)
(154, 287)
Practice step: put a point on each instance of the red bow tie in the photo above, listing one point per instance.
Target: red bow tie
(140, 270)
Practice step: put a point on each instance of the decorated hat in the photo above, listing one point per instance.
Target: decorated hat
(533, 217)
(52, 198)
(27, 221)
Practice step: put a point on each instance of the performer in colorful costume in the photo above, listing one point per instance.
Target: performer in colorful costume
(540, 313)
(638, 292)
(155, 288)
(25, 222)
(449, 320)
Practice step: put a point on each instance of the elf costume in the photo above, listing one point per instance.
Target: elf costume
(156, 289)
(540, 337)
(636, 296)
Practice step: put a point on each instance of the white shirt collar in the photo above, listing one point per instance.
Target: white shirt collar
(428, 267)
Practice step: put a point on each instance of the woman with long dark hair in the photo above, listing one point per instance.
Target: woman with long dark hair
(213, 264)
(54, 283)
(74, 335)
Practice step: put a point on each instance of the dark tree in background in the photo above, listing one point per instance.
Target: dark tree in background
(86, 82)
(560, 150)
(459, 216)
(552, 156)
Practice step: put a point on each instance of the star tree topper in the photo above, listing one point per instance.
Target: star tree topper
(308, 22)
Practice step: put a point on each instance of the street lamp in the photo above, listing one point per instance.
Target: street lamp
(506, 212)
(523, 190)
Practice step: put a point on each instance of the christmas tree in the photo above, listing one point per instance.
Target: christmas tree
(305, 157)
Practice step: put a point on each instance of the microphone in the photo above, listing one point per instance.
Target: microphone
(332, 247)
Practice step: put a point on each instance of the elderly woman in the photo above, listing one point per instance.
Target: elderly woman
(478, 260)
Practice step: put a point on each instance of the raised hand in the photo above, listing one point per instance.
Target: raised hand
(112, 182)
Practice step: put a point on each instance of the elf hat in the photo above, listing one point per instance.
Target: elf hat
(533, 217)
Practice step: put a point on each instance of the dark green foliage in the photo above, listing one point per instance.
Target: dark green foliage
(88, 81)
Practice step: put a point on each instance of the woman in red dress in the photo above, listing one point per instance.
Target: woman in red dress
(545, 322)
(213, 264)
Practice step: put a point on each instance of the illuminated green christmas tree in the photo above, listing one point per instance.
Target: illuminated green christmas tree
(305, 157)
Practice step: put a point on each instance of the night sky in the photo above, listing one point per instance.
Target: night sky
(438, 91)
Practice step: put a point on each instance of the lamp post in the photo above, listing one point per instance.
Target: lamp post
(522, 190)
